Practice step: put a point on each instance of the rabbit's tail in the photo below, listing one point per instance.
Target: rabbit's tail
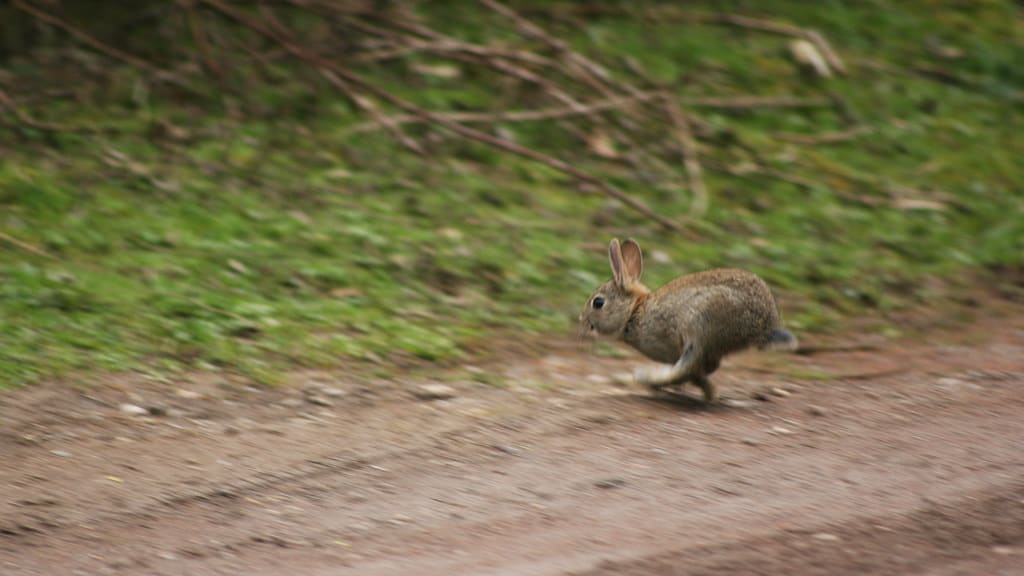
(781, 339)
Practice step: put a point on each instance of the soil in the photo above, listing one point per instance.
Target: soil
(864, 457)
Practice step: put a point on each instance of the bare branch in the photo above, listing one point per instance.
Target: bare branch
(464, 131)
(691, 158)
(26, 247)
(90, 40)
(812, 36)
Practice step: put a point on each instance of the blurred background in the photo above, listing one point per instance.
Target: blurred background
(252, 187)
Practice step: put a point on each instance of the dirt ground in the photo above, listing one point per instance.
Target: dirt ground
(866, 457)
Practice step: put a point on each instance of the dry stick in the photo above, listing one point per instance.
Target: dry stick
(691, 159)
(751, 102)
(590, 72)
(449, 46)
(470, 133)
(366, 106)
(827, 138)
(496, 63)
(531, 30)
(104, 48)
(8, 103)
(812, 36)
(199, 37)
(359, 100)
(26, 247)
(573, 72)
(523, 115)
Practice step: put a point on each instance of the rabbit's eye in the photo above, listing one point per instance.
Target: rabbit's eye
(598, 303)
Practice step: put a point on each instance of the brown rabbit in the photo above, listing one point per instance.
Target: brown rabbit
(691, 323)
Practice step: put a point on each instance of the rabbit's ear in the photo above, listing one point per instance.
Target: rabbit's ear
(632, 261)
(615, 259)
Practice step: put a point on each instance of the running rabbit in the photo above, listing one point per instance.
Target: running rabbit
(690, 323)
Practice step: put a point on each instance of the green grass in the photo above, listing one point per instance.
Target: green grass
(185, 238)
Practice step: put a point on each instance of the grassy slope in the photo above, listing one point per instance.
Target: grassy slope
(190, 238)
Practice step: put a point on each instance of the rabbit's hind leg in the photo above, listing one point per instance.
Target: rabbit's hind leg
(708, 387)
(658, 377)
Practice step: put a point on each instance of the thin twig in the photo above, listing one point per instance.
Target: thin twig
(366, 106)
(813, 36)
(26, 247)
(616, 102)
(199, 37)
(691, 157)
(576, 59)
(90, 40)
(8, 103)
(751, 102)
(498, 64)
(827, 138)
(359, 100)
(464, 131)
(522, 115)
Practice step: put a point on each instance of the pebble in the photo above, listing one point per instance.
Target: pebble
(816, 410)
(825, 537)
(782, 430)
(434, 392)
(319, 400)
(291, 402)
(187, 394)
(61, 453)
(610, 483)
(333, 392)
(133, 410)
(735, 403)
(780, 392)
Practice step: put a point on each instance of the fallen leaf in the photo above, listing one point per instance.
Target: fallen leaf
(347, 292)
(601, 144)
(806, 54)
(238, 266)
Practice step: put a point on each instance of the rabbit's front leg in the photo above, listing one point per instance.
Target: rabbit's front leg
(657, 377)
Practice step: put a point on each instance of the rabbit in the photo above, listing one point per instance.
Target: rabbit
(690, 323)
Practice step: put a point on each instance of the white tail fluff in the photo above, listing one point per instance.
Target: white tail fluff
(781, 339)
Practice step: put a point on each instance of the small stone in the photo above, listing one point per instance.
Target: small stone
(334, 392)
(157, 410)
(292, 402)
(506, 449)
(825, 537)
(61, 453)
(1003, 550)
(187, 394)
(816, 410)
(133, 410)
(434, 392)
(735, 403)
(780, 392)
(750, 442)
(610, 483)
(781, 430)
(319, 400)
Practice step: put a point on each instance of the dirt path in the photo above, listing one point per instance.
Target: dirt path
(905, 460)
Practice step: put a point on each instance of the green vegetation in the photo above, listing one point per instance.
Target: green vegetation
(257, 231)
